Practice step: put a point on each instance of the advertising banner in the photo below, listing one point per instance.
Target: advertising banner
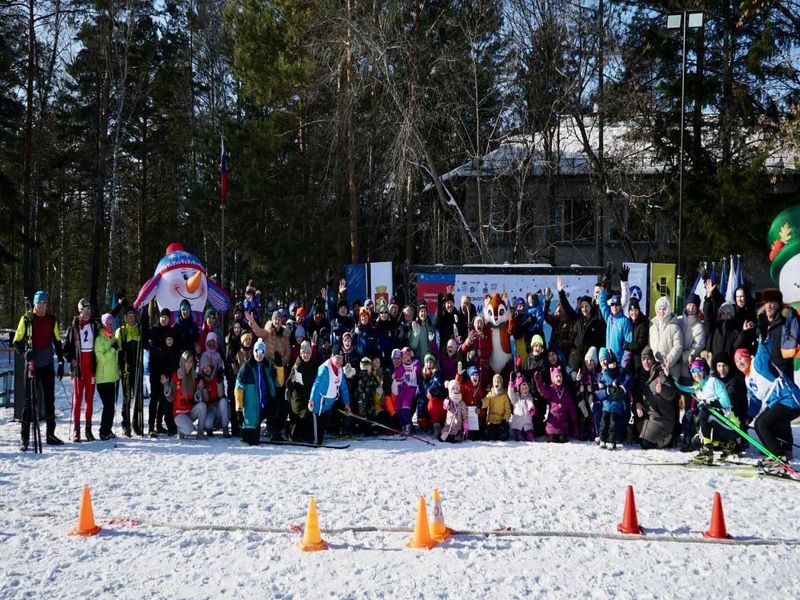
(662, 283)
(638, 283)
(380, 281)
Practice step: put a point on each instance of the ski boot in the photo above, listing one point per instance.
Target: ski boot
(76, 437)
(52, 440)
(613, 446)
(23, 446)
(728, 448)
(704, 457)
(226, 432)
(89, 436)
(603, 446)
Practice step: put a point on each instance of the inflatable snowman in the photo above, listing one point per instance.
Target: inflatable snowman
(181, 276)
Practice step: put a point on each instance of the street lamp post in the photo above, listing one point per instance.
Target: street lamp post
(684, 21)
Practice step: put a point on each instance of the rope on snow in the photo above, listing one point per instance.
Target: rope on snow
(504, 532)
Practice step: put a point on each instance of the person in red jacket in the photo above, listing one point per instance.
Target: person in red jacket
(183, 392)
(473, 392)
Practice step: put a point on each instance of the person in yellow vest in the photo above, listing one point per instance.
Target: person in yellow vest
(129, 342)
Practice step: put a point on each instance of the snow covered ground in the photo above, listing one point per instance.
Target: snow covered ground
(484, 486)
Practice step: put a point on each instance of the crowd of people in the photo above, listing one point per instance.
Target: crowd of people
(608, 373)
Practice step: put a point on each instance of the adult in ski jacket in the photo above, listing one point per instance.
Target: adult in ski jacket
(106, 352)
(777, 391)
(619, 329)
(329, 385)
(79, 352)
(255, 389)
(36, 338)
(129, 342)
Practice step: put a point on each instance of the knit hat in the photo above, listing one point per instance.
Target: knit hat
(300, 331)
(342, 303)
(772, 295)
(742, 353)
(537, 339)
(448, 297)
(693, 299)
(429, 357)
(648, 352)
(698, 363)
(40, 296)
(405, 351)
(211, 338)
(130, 310)
(615, 300)
(605, 354)
(364, 311)
(664, 301)
(454, 390)
(722, 357)
(473, 371)
(520, 301)
(347, 334)
(591, 353)
(726, 308)
(165, 312)
(365, 363)
(396, 353)
(106, 319)
(305, 346)
(210, 312)
(260, 346)
(634, 303)
(205, 361)
(555, 371)
(422, 305)
(247, 336)
(185, 304)
(83, 303)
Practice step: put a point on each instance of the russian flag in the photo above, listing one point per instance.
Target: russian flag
(223, 172)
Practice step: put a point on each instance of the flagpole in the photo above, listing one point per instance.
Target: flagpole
(222, 250)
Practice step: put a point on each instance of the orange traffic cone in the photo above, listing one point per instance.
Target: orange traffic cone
(717, 528)
(312, 541)
(86, 525)
(422, 535)
(439, 532)
(630, 522)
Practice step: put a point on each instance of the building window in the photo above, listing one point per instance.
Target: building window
(574, 219)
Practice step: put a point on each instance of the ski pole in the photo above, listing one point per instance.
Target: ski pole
(753, 441)
(397, 431)
(785, 442)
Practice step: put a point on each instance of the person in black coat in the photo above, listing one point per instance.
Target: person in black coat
(588, 329)
(641, 333)
(654, 399)
(162, 344)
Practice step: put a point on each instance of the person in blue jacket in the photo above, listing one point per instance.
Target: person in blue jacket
(711, 391)
(328, 386)
(781, 395)
(619, 328)
(255, 389)
(613, 387)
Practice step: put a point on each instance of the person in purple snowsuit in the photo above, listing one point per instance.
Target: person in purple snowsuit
(407, 376)
(562, 415)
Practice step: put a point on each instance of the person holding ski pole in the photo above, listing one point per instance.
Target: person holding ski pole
(129, 342)
(79, 351)
(780, 394)
(37, 337)
(711, 392)
(328, 384)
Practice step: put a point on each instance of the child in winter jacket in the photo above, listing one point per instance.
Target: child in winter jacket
(562, 416)
(498, 410)
(472, 391)
(612, 391)
(456, 426)
(365, 395)
(519, 392)
(212, 393)
(213, 355)
(407, 376)
(449, 362)
(585, 388)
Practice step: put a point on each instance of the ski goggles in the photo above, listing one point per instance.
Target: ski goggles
(697, 370)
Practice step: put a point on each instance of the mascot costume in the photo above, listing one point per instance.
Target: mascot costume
(500, 323)
(784, 256)
(181, 276)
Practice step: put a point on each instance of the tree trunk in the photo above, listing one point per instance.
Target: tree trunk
(29, 238)
(351, 137)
